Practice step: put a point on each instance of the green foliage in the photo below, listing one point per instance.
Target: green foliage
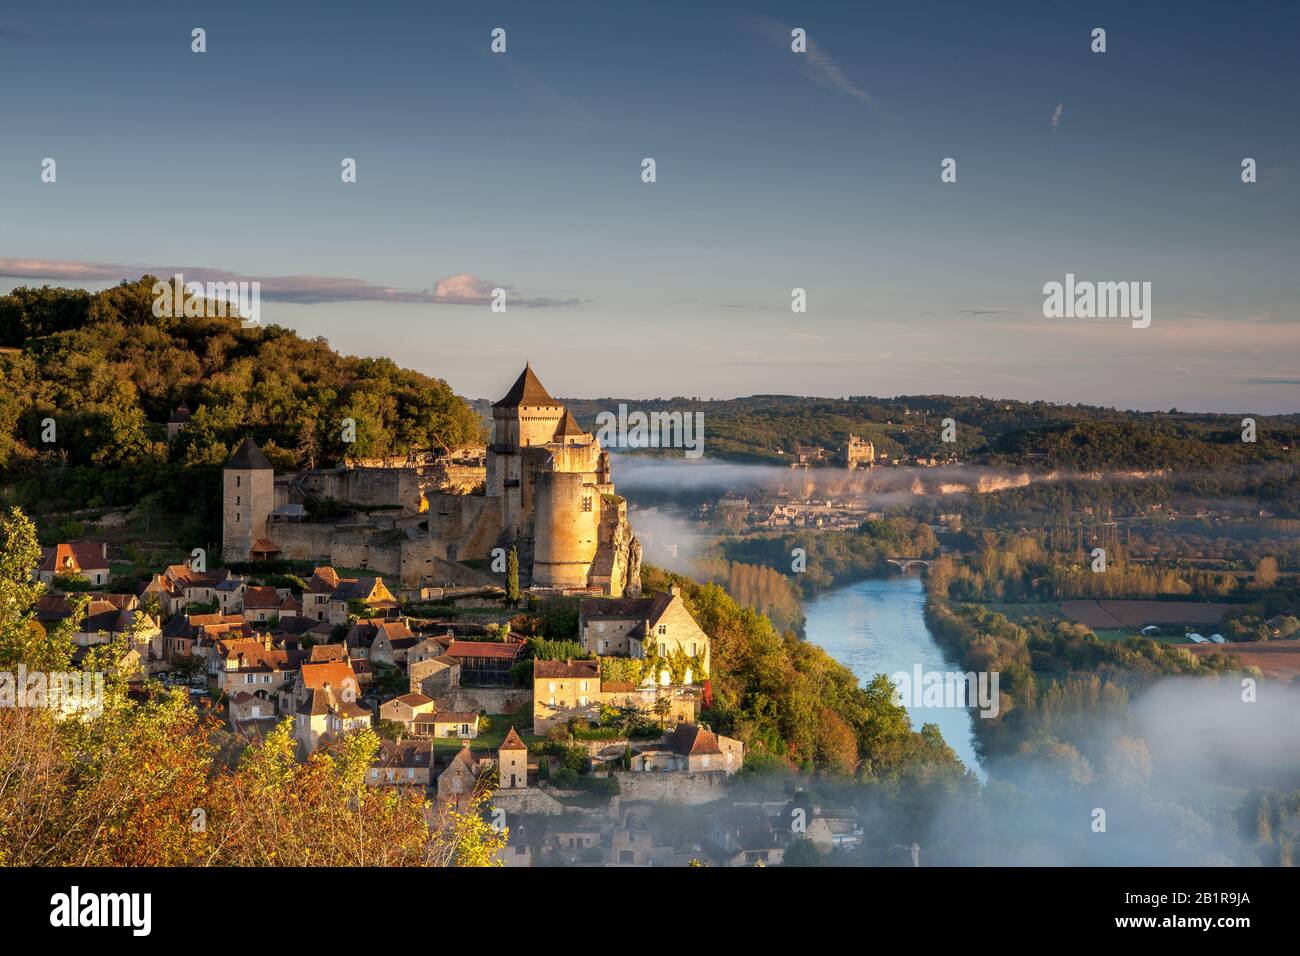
(109, 372)
(512, 576)
(791, 700)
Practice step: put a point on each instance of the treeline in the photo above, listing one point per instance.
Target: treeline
(108, 373)
(1019, 567)
(794, 706)
(1055, 677)
(767, 428)
(823, 559)
(756, 587)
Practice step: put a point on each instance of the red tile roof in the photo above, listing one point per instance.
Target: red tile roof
(488, 649)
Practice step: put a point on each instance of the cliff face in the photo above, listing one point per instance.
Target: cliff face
(617, 566)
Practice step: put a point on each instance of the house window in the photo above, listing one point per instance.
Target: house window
(586, 503)
(236, 499)
(705, 760)
(582, 685)
(236, 517)
(236, 481)
(582, 701)
(663, 650)
(692, 649)
(552, 687)
(663, 628)
(249, 678)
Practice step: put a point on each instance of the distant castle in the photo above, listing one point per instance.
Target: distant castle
(542, 485)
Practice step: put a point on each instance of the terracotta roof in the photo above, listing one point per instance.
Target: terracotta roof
(414, 699)
(249, 457)
(333, 673)
(404, 753)
(263, 546)
(74, 557)
(324, 653)
(692, 739)
(527, 390)
(252, 655)
(323, 579)
(262, 597)
(491, 649)
(180, 414)
(512, 741)
(566, 669)
(451, 717)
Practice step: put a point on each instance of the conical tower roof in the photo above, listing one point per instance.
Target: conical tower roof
(527, 390)
(248, 457)
(569, 427)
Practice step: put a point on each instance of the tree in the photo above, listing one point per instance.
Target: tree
(801, 851)
(1266, 572)
(512, 577)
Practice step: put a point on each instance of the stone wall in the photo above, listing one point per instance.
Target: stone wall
(690, 789)
(493, 700)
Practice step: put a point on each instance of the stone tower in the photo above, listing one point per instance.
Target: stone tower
(526, 417)
(247, 499)
(512, 763)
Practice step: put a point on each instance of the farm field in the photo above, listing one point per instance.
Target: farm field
(1133, 615)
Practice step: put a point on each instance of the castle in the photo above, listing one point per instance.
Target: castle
(543, 485)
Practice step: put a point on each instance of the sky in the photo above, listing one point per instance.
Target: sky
(775, 170)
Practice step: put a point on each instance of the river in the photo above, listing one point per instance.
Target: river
(878, 627)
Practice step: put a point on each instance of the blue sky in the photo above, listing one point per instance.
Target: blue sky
(775, 170)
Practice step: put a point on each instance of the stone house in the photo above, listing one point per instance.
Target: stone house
(369, 591)
(316, 596)
(88, 559)
(564, 690)
(433, 676)
(261, 604)
(456, 783)
(245, 707)
(402, 763)
(462, 724)
(636, 627)
(325, 713)
(253, 666)
(405, 709)
(383, 642)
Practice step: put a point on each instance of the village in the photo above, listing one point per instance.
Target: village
(576, 743)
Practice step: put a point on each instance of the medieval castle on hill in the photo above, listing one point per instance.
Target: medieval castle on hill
(543, 485)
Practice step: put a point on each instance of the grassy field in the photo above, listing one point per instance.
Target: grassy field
(1048, 610)
(491, 738)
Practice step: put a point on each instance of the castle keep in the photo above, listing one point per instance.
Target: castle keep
(543, 485)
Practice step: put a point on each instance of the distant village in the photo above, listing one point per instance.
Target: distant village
(577, 756)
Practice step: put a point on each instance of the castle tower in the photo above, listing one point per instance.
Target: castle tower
(566, 529)
(512, 763)
(247, 499)
(527, 416)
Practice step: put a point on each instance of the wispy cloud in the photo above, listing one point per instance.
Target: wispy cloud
(461, 289)
(1056, 114)
(816, 64)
